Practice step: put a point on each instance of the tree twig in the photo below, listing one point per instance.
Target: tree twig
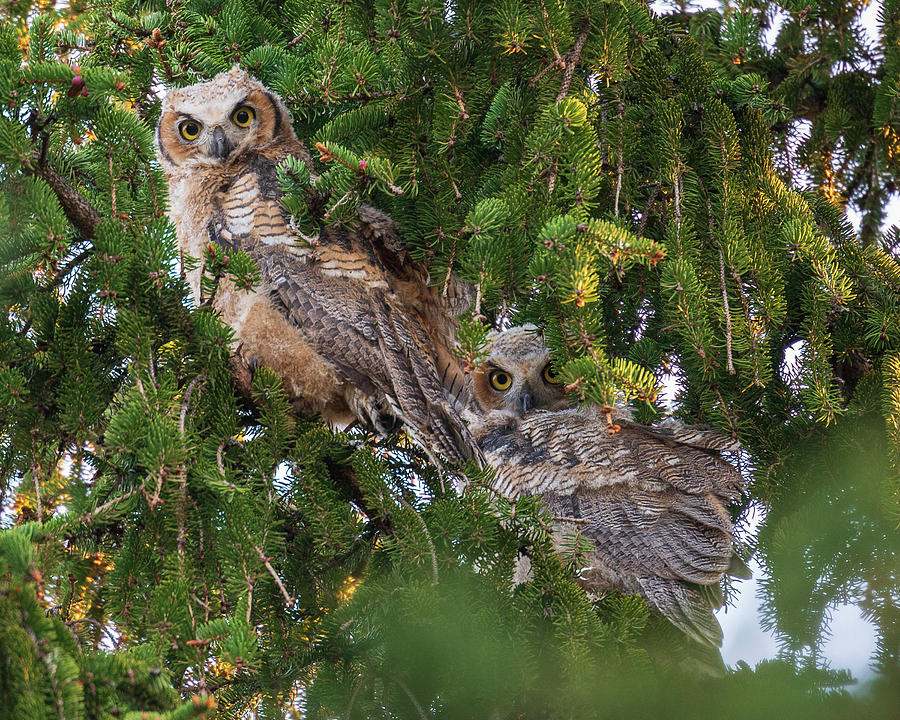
(727, 312)
(88, 517)
(78, 211)
(647, 208)
(185, 402)
(412, 698)
(288, 600)
(620, 165)
(572, 58)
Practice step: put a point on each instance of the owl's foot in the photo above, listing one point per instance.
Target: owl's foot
(383, 421)
(374, 412)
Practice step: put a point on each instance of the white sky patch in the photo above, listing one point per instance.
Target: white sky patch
(852, 642)
(669, 389)
(744, 637)
(790, 367)
(891, 214)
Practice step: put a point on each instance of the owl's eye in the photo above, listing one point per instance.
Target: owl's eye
(189, 129)
(551, 376)
(500, 380)
(243, 116)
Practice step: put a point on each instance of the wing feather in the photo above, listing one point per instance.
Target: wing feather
(361, 302)
(653, 506)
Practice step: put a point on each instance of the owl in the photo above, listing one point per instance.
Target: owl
(517, 375)
(652, 501)
(347, 319)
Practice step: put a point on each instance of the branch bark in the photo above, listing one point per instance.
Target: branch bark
(78, 210)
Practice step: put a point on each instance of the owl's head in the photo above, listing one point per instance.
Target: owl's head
(517, 375)
(218, 122)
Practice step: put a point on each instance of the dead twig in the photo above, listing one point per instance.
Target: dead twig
(288, 600)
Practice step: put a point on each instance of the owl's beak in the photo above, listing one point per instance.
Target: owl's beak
(527, 399)
(220, 145)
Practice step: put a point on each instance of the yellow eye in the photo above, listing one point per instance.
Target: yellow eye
(551, 376)
(189, 129)
(500, 380)
(243, 116)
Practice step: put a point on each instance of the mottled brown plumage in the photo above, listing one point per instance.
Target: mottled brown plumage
(651, 499)
(347, 318)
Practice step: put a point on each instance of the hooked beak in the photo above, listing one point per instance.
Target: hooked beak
(526, 399)
(220, 145)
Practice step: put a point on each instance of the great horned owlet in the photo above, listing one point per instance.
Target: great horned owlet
(349, 322)
(517, 376)
(651, 500)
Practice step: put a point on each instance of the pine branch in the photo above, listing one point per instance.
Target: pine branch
(288, 600)
(78, 210)
(345, 477)
(572, 58)
(727, 312)
(88, 517)
(646, 214)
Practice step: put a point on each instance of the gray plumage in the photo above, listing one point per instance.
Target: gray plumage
(652, 501)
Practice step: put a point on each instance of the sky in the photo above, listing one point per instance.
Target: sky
(852, 638)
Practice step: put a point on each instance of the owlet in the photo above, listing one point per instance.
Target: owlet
(349, 322)
(650, 499)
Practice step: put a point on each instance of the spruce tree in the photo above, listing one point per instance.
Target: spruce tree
(176, 546)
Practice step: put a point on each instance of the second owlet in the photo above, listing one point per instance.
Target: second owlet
(652, 500)
(348, 322)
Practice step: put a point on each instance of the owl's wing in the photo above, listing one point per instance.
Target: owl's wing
(565, 450)
(670, 547)
(360, 303)
(702, 437)
(653, 508)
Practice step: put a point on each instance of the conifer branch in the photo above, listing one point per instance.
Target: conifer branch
(134, 30)
(288, 600)
(560, 61)
(727, 312)
(677, 189)
(356, 688)
(646, 214)
(722, 285)
(88, 517)
(434, 560)
(310, 99)
(185, 402)
(51, 669)
(620, 165)
(460, 103)
(154, 500)
(78, 210)
(140, 387)
(557, 63)
(112, 182)
(299, 38)
(37, 492)
(456, 193)
(104, 629)
(572, 58)
(344, 476)
(412, 699)
(745, 303)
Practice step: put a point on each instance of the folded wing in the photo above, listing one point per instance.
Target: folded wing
(363, 305)
(651, 499)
